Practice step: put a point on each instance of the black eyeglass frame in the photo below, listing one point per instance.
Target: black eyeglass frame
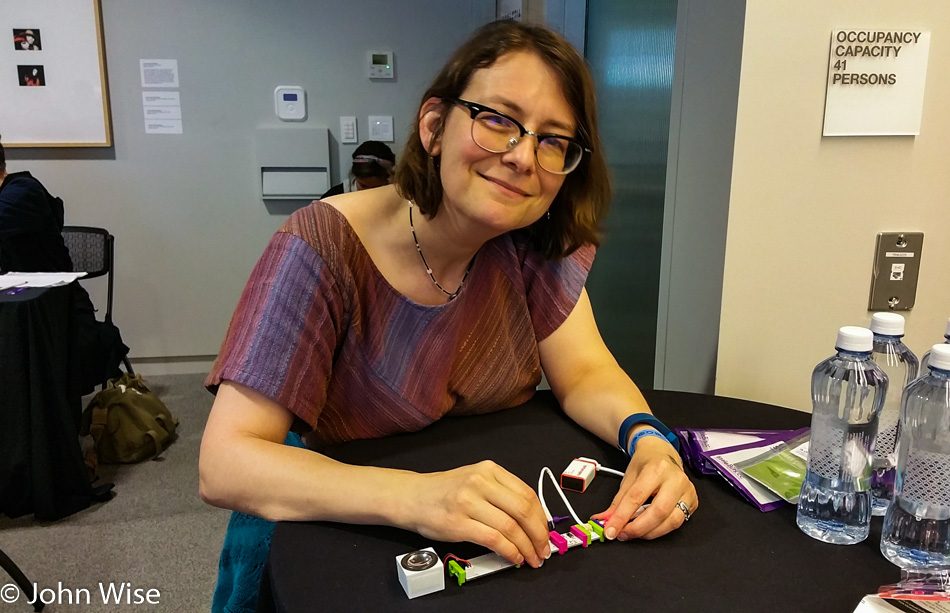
(474, 109)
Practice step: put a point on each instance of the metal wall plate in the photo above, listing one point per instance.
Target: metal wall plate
(894, 276)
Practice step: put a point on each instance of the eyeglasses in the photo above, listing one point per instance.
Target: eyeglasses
(496, 132)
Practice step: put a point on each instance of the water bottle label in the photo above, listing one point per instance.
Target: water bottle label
(824, 450)
(834, 455)
(927, 478)
(887, 436)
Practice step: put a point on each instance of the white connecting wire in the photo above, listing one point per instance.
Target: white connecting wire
(544, 505)
(602, 468)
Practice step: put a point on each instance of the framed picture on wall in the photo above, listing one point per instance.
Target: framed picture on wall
(52, 75)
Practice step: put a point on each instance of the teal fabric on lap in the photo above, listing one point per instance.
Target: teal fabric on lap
(243, 555)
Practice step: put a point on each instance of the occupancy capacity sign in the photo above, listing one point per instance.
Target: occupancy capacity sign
(876, 82)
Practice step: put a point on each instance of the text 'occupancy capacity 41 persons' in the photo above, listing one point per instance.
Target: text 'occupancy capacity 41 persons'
(872, 43)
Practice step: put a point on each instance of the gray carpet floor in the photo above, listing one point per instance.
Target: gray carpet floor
(156, 533)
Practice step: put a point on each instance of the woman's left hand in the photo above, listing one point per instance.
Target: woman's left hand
(654, 470)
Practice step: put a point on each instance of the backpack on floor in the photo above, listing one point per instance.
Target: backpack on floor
(128, 422)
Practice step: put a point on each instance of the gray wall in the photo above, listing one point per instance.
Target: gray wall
(185, 210)
(702, 138)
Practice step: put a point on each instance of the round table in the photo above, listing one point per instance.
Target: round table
(730, 557)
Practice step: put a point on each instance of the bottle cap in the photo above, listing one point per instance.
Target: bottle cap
(940, 357)
(854, 338)
(888, 324)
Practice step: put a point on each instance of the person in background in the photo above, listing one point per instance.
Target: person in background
(373, 164)
(31, 225)
(380, 311)
(31, 240)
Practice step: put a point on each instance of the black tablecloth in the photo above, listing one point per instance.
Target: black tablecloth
(41, 465)
(730, 557)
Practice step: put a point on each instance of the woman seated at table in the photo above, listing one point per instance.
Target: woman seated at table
(378, 312)
(31, 240)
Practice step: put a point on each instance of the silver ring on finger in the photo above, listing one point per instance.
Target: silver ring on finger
(685, 509)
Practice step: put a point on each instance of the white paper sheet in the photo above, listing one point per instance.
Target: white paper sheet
(710, 441)
(163, 126)
(159, 73)
(38, 279)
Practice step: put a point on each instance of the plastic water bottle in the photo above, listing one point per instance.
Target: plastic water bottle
(924, 360)
(900, 365)
(916, 532)
(847, 393)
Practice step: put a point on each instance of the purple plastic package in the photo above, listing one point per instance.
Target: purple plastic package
(714, 451)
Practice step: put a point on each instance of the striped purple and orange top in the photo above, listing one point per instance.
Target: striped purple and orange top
(319, 330)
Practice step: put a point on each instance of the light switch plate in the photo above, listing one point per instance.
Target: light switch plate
(381, 128)
(348, 132)
(896, 266)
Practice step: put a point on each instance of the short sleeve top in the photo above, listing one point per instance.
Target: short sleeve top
(319, 330)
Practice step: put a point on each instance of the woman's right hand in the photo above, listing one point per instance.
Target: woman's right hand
(484, 504)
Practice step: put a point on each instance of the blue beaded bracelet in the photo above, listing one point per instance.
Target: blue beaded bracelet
(649, 420)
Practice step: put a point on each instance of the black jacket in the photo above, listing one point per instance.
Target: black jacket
(31, 226)
(31, 240)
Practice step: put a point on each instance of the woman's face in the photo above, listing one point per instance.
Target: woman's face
(504, 191)
(362, 183)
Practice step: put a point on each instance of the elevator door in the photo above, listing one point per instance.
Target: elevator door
(630, 46)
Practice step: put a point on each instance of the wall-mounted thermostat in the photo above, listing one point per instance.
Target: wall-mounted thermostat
(290, 102)
(381, 65)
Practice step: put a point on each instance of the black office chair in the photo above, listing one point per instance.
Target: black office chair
(92, 252)
(26, 587)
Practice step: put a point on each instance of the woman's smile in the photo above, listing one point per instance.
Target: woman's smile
(506, 187)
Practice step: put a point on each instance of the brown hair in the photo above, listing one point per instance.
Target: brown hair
(581, 203)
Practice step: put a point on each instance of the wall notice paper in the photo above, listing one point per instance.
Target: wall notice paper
(876, 82)
(509, 9)
(157, 98)
(162, 112)
(159, 73)
(163, 126)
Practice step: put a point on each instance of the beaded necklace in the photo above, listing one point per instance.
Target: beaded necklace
(451, 295)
